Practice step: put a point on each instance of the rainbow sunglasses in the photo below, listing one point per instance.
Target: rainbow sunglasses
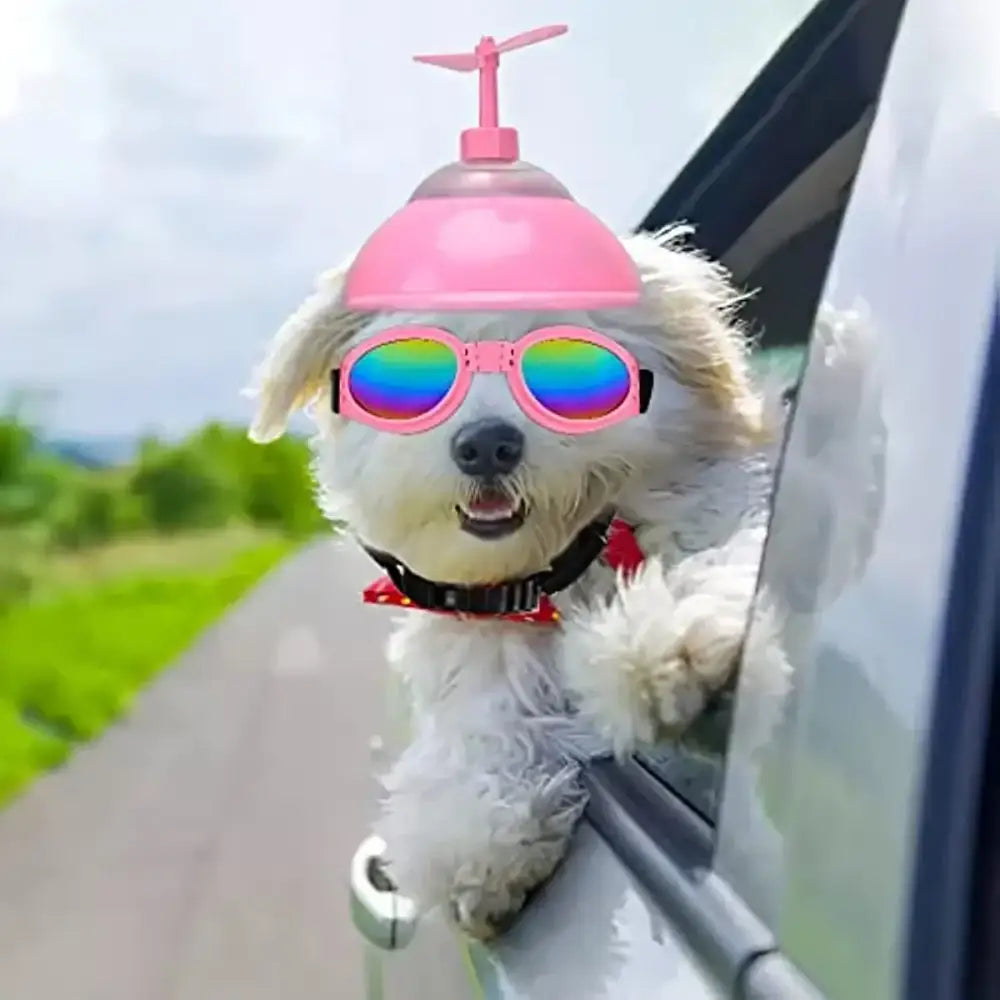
(565, 378)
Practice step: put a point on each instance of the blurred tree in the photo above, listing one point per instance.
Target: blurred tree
(16, 582)
(98, 507)
(181, 488)
(274, 482)
(16, 443)
(213, 476)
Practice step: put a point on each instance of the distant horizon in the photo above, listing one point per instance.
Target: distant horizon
(133, 438)
(109, 450)
(50, 430)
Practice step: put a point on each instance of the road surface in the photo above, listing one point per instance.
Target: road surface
(199, 850)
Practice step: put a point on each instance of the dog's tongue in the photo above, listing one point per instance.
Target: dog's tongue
(494, 504)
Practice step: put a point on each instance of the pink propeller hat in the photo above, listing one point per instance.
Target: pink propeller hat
(491, 231)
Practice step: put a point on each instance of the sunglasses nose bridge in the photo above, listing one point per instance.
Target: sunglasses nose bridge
(489, 357)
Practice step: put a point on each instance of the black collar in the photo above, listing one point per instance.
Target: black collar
(511, 597)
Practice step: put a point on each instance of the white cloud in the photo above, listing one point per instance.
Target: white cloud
(174, 173)
(26, 49)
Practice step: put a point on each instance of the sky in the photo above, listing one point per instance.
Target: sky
(175, 173)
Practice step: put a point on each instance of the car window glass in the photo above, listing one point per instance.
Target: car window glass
(692, 766)
(792, 207)
(785, 285)
(781, 326)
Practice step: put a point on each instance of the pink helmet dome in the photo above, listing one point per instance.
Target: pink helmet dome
(491, 231)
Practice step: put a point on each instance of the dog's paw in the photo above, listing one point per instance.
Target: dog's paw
(488, 894)
(644, 666)
(485, 912)
(480, 916)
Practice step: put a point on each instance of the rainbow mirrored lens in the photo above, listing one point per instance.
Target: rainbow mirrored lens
(574, 378)
(403, 379)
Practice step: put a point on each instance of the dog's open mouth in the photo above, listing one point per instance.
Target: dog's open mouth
(490, 513)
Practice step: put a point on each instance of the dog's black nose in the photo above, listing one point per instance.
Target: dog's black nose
(487, 448)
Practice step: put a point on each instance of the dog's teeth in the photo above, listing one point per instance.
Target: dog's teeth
(489, 511)
(498, 514)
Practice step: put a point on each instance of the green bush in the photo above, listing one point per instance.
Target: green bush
(210, 478)
(274, 483)
(216, 474)
(95, 509)
(16, 443)
(29, 481)
(180, 488)
(22, 553)
(15, 583)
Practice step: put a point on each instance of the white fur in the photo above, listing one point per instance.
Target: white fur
(480, 806)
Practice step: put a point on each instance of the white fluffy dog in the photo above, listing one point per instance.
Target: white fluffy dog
(480, 806)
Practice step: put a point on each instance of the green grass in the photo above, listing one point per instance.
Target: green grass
(100, 626)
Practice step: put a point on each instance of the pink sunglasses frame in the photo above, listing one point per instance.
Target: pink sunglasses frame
(490, 357)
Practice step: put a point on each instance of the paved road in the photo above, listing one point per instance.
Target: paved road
(199, 850)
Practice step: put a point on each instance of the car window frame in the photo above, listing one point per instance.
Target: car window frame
(941, 964)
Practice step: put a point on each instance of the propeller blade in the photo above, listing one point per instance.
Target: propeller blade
(463, 62)
(466, 62)
(530, 37)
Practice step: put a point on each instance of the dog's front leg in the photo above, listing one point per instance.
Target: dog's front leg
(476, 818)
(644, 663)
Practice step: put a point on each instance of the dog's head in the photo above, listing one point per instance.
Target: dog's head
(489, 494)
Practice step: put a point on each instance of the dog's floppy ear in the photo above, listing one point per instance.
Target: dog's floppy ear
(298, 362)
(693, 302)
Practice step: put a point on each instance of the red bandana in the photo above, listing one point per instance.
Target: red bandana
(621, 553)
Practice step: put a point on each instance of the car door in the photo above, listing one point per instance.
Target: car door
(811, 857)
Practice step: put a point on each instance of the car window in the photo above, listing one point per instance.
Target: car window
(790, 195)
